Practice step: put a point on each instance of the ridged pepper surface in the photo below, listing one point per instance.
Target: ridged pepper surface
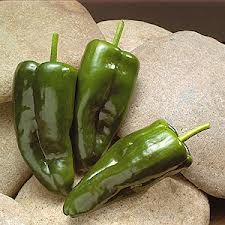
(143, 157)
(43, 102)
(106, 80)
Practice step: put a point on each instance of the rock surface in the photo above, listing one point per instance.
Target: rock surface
(135, 32)
(14, 172)
(12, 213)
(171, 201)
(26, 28)
(182, 79)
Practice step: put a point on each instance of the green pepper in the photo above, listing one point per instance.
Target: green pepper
(143, 157)
(106, 80)
(43, 100)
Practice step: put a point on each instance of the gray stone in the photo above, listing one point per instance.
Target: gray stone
(135, 32)
(12, 213)
(171, 201)
(182, 79)
(14, 172)
(26, 28)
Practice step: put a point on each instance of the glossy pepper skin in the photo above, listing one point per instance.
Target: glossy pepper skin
(143, 157)
(43, 108)
(106, 80)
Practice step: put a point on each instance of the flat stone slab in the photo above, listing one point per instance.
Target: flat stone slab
(135, 32)
(14, 171)
(12, 213)
(171, 201)
(25, 34)
(182, 79)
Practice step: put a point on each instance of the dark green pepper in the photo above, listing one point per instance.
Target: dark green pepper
(106, 80)
(143, 157)
(43, 102)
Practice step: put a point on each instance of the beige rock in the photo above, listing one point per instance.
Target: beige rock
(12, 213)
(13, 170)
(135, 32)
(182, 79)
(25, 34)
(171, 201)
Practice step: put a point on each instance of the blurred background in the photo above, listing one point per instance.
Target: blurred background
(204, 16)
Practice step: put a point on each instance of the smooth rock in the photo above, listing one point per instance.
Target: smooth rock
(12, 213)
(25, 34)
(171, 201)
(14, 172)
(182, 79)
(135, 32)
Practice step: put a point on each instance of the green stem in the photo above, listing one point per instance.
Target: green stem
(194, 131)
(118, 33)
(54, 48)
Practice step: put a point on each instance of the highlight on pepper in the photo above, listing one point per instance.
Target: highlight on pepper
(106, 80)
(141, 158)
(43, 102)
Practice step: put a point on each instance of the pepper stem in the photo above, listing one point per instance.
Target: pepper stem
(194, 131)
(54, 48)
(118, 33)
